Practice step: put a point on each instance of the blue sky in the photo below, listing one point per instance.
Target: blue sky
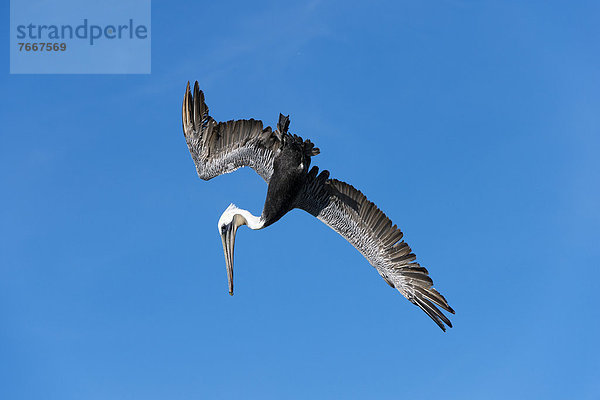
(473, 124)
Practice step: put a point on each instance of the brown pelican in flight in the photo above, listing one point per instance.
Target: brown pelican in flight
(283, 160)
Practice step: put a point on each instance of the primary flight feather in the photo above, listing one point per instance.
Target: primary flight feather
(283, 160)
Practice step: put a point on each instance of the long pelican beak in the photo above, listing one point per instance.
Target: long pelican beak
(228, 238)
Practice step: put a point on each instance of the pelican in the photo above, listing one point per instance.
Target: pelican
(283, 159)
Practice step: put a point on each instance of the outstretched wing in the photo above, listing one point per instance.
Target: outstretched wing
(347, 211)
(222, 147)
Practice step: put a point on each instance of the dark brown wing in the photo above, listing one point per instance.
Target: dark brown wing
(221, 147)
(347, 211)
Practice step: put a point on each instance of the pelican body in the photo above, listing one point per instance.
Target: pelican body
(283, 160)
